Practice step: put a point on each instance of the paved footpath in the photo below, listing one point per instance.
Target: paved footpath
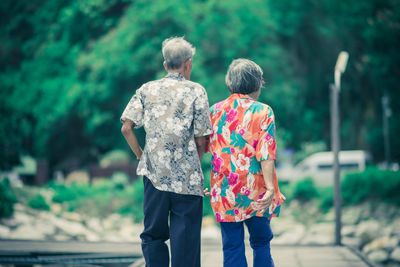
(291, 256)
(211, 253)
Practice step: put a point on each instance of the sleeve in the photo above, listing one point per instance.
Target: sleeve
(266, 146)
(201, 117)
(134, 110)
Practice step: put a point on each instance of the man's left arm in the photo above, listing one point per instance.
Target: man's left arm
(202, 123)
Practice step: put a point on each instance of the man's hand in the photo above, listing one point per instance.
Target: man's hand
(206, 193)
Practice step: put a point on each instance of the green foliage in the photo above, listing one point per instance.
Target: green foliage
(39, 203)
(68, 68)
(120, 180)
(133, 204)
(7, 199)
(65, 194)
(206, 167)
(325, 199)
(371, 184)
(305, 189)
(103, 197)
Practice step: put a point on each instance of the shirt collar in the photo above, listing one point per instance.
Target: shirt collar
(175, 76)
(236, 96)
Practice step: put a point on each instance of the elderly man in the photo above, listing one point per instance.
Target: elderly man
(175, 115)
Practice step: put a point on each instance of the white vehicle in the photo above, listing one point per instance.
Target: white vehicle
(319, 166)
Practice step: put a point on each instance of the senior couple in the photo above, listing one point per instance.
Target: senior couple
(180, 128)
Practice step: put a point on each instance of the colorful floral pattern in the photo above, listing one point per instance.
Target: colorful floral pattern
(243, 136)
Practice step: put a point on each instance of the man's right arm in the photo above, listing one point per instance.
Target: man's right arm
(201, 144)
(130, 137)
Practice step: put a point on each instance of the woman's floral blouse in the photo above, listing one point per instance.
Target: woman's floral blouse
(243, 136)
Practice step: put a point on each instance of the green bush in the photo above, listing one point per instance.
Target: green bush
(371, 184)
(305, 189)
(132, 201)
(206, 166)
(325, 198)
(39, 203)
(7, 199)
(120, 180)
(64, 194)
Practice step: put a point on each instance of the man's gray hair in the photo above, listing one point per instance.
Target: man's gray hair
(244, 77)
(176, 51)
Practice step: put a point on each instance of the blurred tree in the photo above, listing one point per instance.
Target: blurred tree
(68, 68)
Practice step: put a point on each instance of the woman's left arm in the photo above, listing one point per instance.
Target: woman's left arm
(268, 167)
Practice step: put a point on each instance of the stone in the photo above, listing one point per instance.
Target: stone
(292, 236)
(112, 222)
(91, 237)
(386, 243)
(94, 225)
(395, 227)
(68, 227)
(349, 230)
(4, 232)
(317, 239)
(56, 208)
(322, 228)
(395, 255)
(378, 255)
(79, 177)
(130, 233)
(22, 217)
(368, 231)
(72, 216)
(354, 242)
(26, 232)
(352, 215)
(44, 228)
(330, 216)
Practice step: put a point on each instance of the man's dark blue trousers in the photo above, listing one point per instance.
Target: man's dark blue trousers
(184, 213)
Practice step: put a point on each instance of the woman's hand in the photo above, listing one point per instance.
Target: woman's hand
(206, 193)
(265, 202)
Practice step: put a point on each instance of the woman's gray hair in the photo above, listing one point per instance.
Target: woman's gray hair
(176, 51)
(244, 77)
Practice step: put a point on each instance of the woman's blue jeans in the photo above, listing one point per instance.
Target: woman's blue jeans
(233, 242)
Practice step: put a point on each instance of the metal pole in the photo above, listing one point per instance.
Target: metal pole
(385, 117)
(335, 146)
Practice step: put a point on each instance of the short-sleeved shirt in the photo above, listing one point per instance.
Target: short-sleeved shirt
(173, 112)
(243, 136)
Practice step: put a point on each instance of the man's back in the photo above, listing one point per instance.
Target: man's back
(173, 111)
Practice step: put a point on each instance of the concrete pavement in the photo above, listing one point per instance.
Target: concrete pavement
(291, 256)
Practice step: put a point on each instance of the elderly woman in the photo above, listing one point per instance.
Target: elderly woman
(244, 187)
(175, 115)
